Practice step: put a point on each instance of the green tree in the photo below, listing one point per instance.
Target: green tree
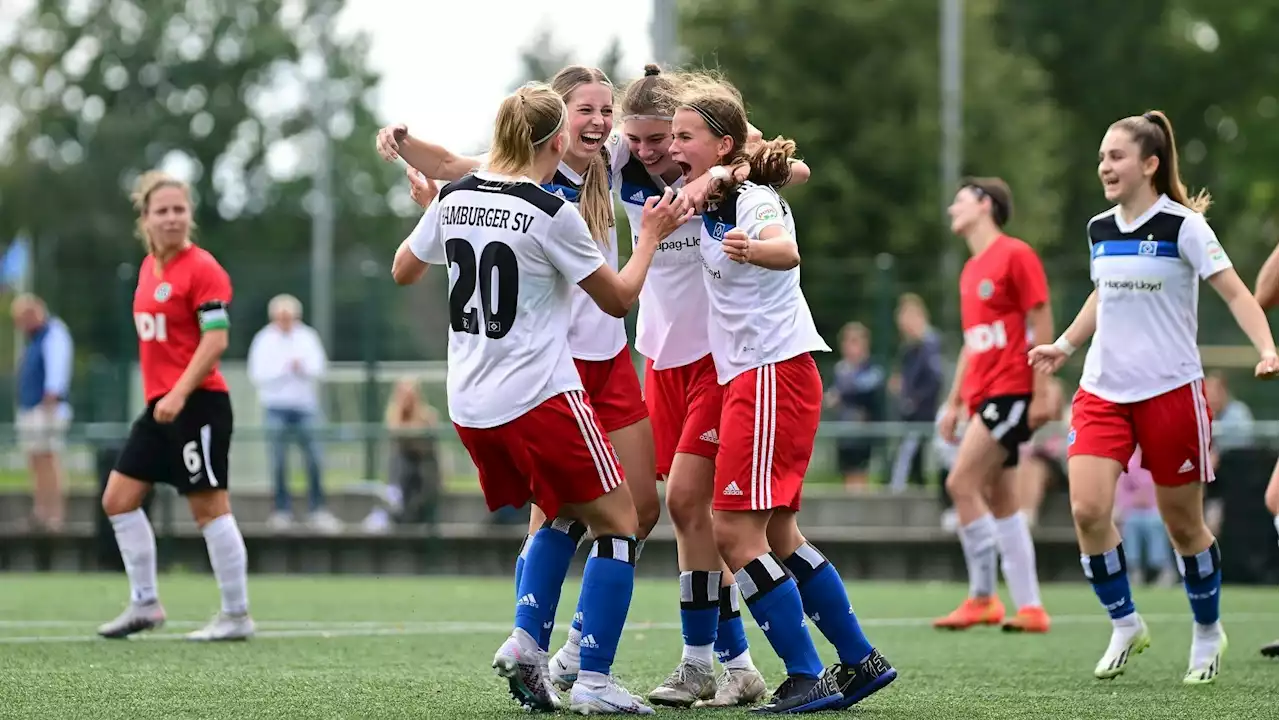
(856, 85)
(223, 92)
(542, 57)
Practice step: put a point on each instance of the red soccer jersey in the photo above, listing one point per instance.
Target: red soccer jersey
(997, 288)
(171, 308)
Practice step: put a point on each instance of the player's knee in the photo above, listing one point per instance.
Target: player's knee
(208, 506)
(1185, 529)
(1272, 496)
(647, 518)
(688, 512)
(1090, 514)
(959, 485)
(120, 496)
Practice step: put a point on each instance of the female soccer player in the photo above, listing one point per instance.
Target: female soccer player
(1143, 382)
(515, 395)
(1004, 308)
(761, 336)
(184, 436)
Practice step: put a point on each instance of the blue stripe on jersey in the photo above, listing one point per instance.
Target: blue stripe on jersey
(1148, 248)
(715, 228)
(568, 192)
(634, 194)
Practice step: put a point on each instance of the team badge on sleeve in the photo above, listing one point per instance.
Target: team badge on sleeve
(766, 212)
(213, 316)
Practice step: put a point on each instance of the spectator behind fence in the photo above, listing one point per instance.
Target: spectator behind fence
(286, 361)
(919, 387)
(415, 461)
(44, 380)
(857, 395)
(1142, 530)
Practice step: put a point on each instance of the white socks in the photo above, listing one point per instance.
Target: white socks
(978, 539)
(1018, 560)
(703, 655)
(230, 563)
(741, 662)
(138, 550)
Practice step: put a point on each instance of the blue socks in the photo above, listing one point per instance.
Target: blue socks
(524, 552)
(1202, 576)
(607, 583)
(774, 601)
(577, 613)
(1109, 575)
(731, 636)
(547, 557)
(827, 603)
(699, 606)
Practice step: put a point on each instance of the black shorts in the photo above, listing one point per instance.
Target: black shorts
(1006, 417)
(190, 453)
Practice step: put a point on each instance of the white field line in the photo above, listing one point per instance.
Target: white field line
(286, 629)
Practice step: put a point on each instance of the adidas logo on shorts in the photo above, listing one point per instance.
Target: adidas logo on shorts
(710, 436)
(1186, 467)
(732, 488)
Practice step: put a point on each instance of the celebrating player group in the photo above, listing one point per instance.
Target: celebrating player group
(544, 396)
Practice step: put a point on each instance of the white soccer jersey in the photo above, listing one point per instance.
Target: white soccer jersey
(514, 253)
(1147, 275)
(671, 329)
(758, 316)
(593, 333)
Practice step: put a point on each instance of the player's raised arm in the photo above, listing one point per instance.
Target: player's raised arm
(423, 246)
(1267, 288)
(615, 293)
(434, 161)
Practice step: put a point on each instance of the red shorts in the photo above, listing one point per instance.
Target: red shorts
(614, 389)
(1173, 430)
(684, 403)
(767, 427)
(556, 453)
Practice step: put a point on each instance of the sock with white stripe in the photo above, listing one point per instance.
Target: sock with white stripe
(607, 584)
(774, 601)
(1018, 560)
(827, 603)
(546, 564)
(1109, 575)
(137, 543)
(699, 614)
(1202, 577)
(978, 539)
(230, 563)
(731, 637)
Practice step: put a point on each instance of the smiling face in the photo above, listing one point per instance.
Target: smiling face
(1121, 167)
(967, 210)
(168, 218)
(650, 142)
(590, 119)
(694, 147)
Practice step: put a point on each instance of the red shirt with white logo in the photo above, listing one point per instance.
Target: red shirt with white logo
(997, 289)
(172, 307)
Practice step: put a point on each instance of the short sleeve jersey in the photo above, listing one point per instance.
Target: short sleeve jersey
(1147, 276)
(671, 329)
(515, 252)
(998, 287)
(593, 333)
(172, 308)
(758, 316)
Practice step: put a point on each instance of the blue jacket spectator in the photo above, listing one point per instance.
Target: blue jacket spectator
(857, 395)
(43, 385)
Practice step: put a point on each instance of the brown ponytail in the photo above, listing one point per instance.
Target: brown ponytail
(1153, 132)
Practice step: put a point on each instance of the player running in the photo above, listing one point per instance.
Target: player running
(183, 437)
(1267, 293)
(1004, 309)
(1143, 382)
(514, 251)
(761, 335)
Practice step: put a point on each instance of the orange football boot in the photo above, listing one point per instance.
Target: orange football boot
(1030, 619)
(973, 611)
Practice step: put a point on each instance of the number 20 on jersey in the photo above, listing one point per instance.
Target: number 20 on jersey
(151, 327)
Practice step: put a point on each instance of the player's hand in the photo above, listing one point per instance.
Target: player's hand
(1267, 367)
(389, 139)
(663, 216)
(422, 189)
(1047, 359)
(948, 423)
(168, 408)
(1040, 413)
(737, 246)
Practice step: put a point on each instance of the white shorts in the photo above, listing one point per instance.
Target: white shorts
(42, 429)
